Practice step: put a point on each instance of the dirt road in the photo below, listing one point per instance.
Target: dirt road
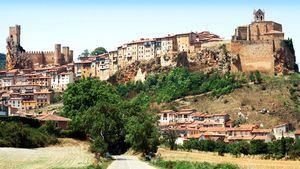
(128, 162)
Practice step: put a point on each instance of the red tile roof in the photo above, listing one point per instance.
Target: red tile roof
(261, 130)
(297, 132)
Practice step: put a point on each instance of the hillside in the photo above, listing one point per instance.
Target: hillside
(2, 61)
(273, 102)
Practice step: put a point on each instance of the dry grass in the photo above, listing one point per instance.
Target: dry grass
(249, 100)
(243, 162)
(68, 154)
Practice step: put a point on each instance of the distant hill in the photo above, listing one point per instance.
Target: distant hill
(2, 60)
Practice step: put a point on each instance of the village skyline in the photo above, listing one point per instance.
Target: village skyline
(86, 26)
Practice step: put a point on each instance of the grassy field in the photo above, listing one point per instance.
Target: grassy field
(68, 154)
(243, 162)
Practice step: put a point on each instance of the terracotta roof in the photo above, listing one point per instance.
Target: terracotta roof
(261, 130)
(248, 126)
(199, 114)
(241, 137)
(198, 135)
(260, 138)
(213, 129)
(52, 117)
(186, 111)
(297, 132)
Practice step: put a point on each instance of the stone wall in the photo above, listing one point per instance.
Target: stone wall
(258, 55)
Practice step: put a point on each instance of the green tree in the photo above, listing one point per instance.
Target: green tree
(258, 147)
(85, 53)
(170, 137)
(98, 51)
(221, 147)
(238, 148)
(142, 134)
(295, 150)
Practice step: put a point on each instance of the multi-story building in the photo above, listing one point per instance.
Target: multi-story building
(113, 61)
(60, 81)
(184, 41)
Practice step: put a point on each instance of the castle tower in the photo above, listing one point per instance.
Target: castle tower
(71, 56)
(66, 53)
(57, 54)
(15, 34)
(258, 15)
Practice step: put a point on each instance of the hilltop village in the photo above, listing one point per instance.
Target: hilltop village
(260, 46)
(33, 79)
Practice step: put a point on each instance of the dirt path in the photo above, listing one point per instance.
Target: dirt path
(244, 163)
(69, 154)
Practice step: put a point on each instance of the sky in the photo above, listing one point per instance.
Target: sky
(83, 24)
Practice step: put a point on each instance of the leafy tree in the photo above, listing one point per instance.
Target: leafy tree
(207, 145)
(295, 150)
(98, 51)
(98, 109)
(170, 137)
(142, 134)
(221, 147)
(85, 53)
(238, 148)
(258, 147)
(191, 144)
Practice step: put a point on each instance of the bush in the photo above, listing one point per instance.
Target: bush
(239, 148)
(24, 120)
(14, 134)
(258, 147)
(50, 128)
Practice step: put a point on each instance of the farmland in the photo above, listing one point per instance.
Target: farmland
(242, 162)
(68, 154)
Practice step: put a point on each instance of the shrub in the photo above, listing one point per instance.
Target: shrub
(258, 147)
(24, 120)
(14, 134)
(50, 128)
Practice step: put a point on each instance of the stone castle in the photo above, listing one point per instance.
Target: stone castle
(18, 58)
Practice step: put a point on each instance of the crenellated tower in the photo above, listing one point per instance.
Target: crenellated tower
(57, 54)
(15, 34)
(66, 53)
